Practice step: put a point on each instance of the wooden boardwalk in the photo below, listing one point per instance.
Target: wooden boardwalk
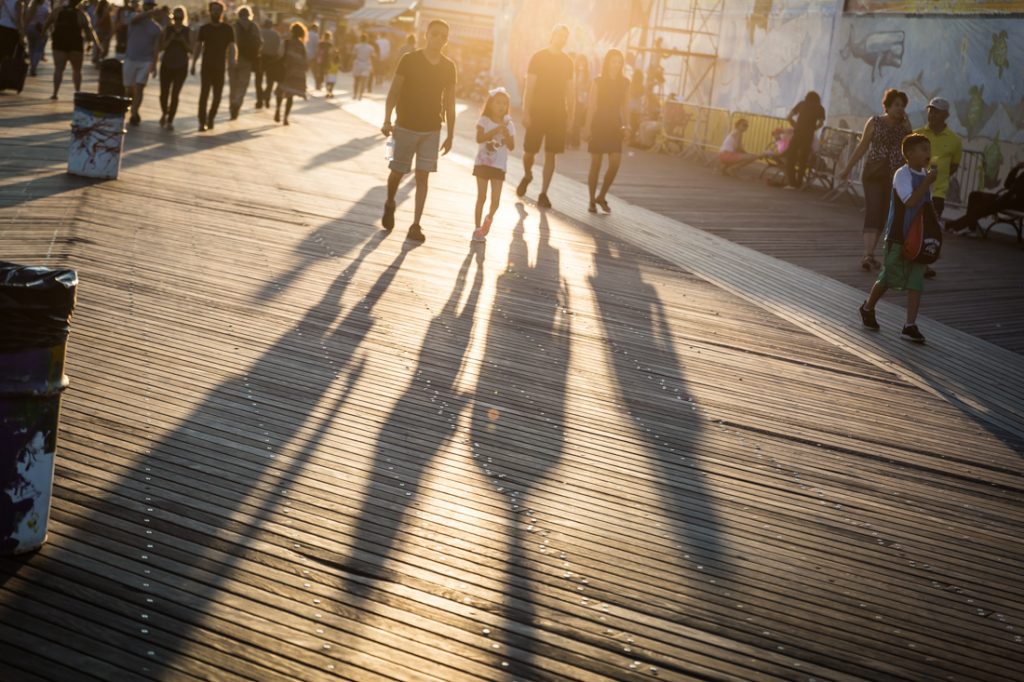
(979, 289)
(295, 448)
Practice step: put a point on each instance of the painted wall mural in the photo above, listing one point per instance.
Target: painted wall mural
(934, 6)
(974, 62)
(772, 52)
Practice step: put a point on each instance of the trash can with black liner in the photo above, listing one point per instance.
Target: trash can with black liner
(36, 304)
(111, 80)
(97, 135)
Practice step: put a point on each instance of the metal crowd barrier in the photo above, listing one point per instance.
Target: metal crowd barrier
(698, 131)
(759, 135)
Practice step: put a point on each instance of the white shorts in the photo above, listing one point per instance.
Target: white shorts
(361, 69)
(135, 73)
(424, 145)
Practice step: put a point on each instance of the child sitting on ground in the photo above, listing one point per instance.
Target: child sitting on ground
(910, 199)
(496, 134)
(731, 155)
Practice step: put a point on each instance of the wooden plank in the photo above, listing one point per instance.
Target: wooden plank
(600, 455)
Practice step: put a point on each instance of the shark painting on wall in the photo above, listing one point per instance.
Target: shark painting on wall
(968, 60)
(877, 49)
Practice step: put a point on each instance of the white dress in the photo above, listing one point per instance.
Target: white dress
(494, 153)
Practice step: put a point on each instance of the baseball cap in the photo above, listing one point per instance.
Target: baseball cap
(939, 103)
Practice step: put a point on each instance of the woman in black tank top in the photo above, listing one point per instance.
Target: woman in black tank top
(68, 23)
(176, 46)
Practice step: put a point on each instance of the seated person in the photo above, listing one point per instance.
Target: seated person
(981, 204)
(731, 154)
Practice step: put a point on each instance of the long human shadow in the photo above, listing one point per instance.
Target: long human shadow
(41, 187)
(338, 235)
(148, 146)
(518, 421)
(32, 119)
(415, 430)
(652, 385)
(35, 138)
(139, 150)
(343, 152)
(231, 438)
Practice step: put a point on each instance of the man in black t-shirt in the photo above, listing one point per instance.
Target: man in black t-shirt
(548, 103)
(423, 92)
(216, 42)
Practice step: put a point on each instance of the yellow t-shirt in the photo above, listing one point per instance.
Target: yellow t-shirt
(946, 150)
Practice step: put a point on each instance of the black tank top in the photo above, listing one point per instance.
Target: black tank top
(67, 32)
(176, 54)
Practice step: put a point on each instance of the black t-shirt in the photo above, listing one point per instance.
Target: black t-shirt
(215, 38)
(554, 76)
(807, 116)
(420, 104)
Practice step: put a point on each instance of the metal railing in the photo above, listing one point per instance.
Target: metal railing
(698, 131)
(761, 129)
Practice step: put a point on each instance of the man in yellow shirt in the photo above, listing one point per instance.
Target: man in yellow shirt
(947, 152)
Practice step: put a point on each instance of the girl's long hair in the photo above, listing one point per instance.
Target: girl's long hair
(606, 66)
(184, 11)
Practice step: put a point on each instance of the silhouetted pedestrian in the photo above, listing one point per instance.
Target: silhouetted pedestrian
(606, 125)
(216, 42)
(807, 118)
(250, 42)
(176, 46)
(881, 141)
(423, 92)
(294, 65)
(548, 103)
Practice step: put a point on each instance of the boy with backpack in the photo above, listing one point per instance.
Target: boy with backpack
(912, 236)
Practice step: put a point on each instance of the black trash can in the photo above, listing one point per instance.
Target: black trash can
(112, 77)
(35, 310)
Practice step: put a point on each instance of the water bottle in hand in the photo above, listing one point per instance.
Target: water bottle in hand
(389, 149)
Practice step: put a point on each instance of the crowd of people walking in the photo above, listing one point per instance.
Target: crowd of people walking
(224, 51)
(905, 173)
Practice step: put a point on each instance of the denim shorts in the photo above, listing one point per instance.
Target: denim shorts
(423, 145)
(135, 72)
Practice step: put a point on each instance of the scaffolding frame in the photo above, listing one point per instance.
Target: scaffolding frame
(689, 30)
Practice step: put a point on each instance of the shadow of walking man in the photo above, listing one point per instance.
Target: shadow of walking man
(419, 425)
(332, 239)
(519, 415)
(215, 484)
(651, 383)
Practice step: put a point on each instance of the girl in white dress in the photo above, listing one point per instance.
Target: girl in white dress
(496, 135)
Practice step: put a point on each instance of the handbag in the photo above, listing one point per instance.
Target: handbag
(876, 170)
